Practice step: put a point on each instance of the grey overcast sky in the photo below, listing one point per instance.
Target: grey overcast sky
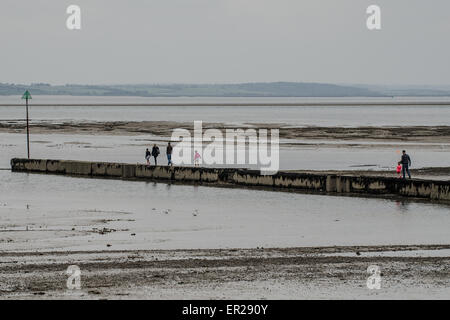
(225, 41)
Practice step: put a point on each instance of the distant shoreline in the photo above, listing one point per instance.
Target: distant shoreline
(239, 90)
(243, 104)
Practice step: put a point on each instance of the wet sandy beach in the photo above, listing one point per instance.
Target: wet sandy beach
(294, 273)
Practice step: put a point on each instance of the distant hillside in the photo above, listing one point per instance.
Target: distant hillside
(273, 89)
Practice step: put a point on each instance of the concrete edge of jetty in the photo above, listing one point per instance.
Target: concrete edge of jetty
(288, 181)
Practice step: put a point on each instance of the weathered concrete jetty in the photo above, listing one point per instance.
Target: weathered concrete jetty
(306, 182)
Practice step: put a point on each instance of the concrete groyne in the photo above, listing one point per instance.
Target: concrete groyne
(307, 182)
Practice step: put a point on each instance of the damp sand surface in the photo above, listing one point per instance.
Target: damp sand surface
(259, 273)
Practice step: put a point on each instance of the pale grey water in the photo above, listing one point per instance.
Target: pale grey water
(344, 116)
(39, 212)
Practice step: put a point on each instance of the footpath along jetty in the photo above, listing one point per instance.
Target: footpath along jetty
(288, 181)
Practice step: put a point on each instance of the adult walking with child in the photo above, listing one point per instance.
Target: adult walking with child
(406, 163)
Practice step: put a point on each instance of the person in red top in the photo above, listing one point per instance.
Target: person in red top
(399, 169)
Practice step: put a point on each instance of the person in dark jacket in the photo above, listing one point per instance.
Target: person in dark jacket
(169, 154)
(155, 153)
(406, 163)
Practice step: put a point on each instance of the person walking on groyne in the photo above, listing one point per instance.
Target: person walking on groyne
(197, 158)
(169, 154)
(147, 156)
(406, 163)
(155, 153)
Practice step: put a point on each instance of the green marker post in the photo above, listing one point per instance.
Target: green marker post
(27, 96)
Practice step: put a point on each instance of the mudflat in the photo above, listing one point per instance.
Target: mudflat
(429, 134)
(421, 271)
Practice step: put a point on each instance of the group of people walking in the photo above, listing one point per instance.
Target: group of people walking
(402, 167)
(155, 153)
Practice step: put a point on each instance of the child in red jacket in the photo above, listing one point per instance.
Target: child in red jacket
(399, 169)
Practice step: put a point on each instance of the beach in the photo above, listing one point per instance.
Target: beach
(143, 239)
(408, 272)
